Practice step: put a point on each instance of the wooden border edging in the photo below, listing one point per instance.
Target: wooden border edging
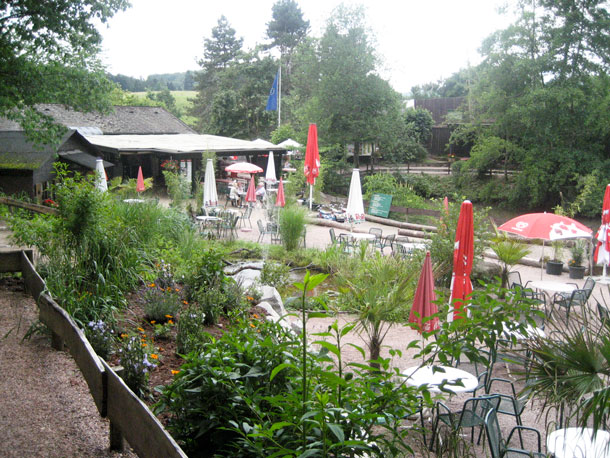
(10, 261)
(65, 331)
(34, 284)
(136, 423)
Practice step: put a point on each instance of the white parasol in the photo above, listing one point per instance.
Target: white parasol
(270, 173)
(100, 178)
(355, 206)
(210, 196)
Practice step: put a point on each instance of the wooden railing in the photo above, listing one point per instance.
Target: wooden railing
(129, 417)
(28, 206)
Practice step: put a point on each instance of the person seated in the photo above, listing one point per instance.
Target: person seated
(234, 195)
(260, 192)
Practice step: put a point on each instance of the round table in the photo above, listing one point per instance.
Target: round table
(418, 376)
(578, 443)
(551, 286)
(531, 332)
(358, 235)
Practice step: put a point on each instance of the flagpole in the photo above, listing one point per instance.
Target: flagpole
(279, 94)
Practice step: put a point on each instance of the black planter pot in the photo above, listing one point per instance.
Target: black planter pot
(577, 272)
(554, 267)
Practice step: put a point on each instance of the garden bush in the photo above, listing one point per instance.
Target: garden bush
(292, 227)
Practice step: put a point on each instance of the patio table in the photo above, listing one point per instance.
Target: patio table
(578, 443)
(413, 245)
(418, 376)
(358, 235)
(531, 332)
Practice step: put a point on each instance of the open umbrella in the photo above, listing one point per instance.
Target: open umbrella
(140, 181)
(251, 193)
(463, 254)
(355, 207)
(210, 196)
(100, 179)
(270, 173)
(280, 201)
(423, 302)
(602, 250)
(243, 167)
(312, 160)
(545, 226)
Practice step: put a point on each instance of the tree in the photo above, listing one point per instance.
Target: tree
(223, 48)
(47, 55)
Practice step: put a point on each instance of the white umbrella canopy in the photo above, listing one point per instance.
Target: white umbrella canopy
(355, 206)
(210, 196)
(100, 179)
(270, 173)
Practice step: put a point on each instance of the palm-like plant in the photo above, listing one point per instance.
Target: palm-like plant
(574, 370)
(509, 252)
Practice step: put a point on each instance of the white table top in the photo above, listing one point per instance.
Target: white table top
(578, 443)
(531, 332)
(208, 218)
(418, 376)
(552, 286)
(133, 201)
(358, 235)
(413, 245)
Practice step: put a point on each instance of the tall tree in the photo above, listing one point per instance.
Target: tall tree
(48, 54)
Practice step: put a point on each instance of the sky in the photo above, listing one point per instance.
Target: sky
(418, 41)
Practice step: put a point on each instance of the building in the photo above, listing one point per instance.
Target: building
(446, 115)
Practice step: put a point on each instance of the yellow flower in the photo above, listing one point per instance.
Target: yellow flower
(168, 316)
(252, 326)
(250, 298)
(154, 356)
(123, 336)
(144, 345)
(177, 290)
(152, 322)
(169, 288)
(170, 322)
(255, 316)
(141, 330)
(175, 372)
(185, 302)
(151, 285)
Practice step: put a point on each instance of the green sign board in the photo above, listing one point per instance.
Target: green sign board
(380, 205)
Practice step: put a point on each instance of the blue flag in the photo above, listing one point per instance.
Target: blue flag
(272, 100)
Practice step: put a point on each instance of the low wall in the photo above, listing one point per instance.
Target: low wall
(129, 417)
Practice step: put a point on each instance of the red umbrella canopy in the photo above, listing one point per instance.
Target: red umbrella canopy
(280, 201)
(545, 226)
(251, 193)
(140, 183)
(423, 305)
(602, 250)
(243, 167)
(463, 254)
(312, 156)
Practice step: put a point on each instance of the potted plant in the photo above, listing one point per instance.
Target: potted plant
(576, 269)
(555, 265)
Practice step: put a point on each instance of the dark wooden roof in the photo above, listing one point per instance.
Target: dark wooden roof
(122, 120)
(440, 108)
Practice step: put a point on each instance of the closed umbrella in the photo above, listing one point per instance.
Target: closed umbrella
(312, 160)
(270, 173)
(463, 254)
(423, 303)
(100, 178)
(280, 201)
(355, 207)
(210, 196)
(140, 181)
(251, 193)
(602, 250)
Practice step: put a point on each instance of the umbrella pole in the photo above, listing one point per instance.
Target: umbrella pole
(542, 260)
(310, 196)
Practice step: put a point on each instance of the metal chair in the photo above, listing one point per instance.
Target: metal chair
(604, 313)
(500, 448)
(472, 415)
(246, 214)
(333, 238)
(577, 298)
(262, 231)
(387, 241)
(512, 405)
(399, 251)
(378, 233)
(515, 283)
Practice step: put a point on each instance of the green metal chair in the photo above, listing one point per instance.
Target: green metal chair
(578, 298)
(500, 448)
(510, 404)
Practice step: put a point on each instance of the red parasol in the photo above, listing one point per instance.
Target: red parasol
(423, 305)
(602, 250)
(280, 201)
(545, 226)
(251, 194)
(312, 160)
(140, 183)
(463, 254)
(243, 167)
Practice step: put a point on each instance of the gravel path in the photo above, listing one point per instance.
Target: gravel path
(45, 406)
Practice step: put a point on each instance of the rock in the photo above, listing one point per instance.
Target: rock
(247, 277)
(232, 270)
(271, 295)
(271, 313)
(487, 271)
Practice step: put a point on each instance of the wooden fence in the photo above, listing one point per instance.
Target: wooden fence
(129, 417)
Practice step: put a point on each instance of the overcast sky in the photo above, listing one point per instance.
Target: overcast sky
(419, 41)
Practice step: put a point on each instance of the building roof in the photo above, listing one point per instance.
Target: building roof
(122, 120)
(179, 143)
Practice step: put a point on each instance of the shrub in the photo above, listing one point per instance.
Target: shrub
(138, 359)
(102, 338)
(204, 270)
(274, 274)
(190, 336)
(161, 304)
(211, 302)
(292, 227)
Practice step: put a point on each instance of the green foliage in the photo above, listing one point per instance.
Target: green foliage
(578, 252)
(211, 300)
(101, 337)
(161, 303)
(135, 358)
(274, 274)
(292, 227)
(49, 57)
(190, 336)
(178, 188)
(204, 270)
(509, 252)
(403, 195)
(283, 132)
